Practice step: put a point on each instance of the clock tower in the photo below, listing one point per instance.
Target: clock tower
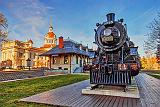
(50, 39)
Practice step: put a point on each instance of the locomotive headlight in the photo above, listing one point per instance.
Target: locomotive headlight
(107, 32)
(107, 35)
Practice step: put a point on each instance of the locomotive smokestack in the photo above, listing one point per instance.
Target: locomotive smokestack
(110, 17)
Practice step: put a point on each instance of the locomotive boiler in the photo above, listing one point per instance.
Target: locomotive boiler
(117, 58)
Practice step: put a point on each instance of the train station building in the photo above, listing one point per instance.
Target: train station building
(69, 55)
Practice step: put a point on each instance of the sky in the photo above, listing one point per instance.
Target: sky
(29, 19)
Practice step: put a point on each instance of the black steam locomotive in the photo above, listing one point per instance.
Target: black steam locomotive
(117, 58)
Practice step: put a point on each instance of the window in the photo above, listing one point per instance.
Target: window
(76, 59)
(30, 55)
(34, 55)
(84, 62)
(34, 63)
(65, 59)
(54, 60)
(20, 55)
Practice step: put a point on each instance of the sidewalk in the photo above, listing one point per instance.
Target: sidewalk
(14, 75)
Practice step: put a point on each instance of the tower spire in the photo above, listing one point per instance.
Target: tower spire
(51, 22)
(50, 25)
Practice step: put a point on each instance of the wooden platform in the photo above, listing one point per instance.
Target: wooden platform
(71, 95)
(131, 90)
(149, 88)
(130, 93)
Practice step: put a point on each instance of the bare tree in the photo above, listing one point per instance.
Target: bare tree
(3, 27)
(153, 41)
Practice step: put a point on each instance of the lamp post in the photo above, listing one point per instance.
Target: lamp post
(28, 63)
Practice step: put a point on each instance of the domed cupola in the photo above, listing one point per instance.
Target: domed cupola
(50, 37)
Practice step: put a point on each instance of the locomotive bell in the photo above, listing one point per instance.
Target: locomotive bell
(111, 17)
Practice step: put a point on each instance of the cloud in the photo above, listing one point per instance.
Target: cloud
(77, 35)
(30, 20)
(149, 13)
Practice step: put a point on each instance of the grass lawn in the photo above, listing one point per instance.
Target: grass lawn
(11, 92)
(155, 75)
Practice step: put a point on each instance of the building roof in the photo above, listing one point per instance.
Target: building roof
(48, 45)
(91, 54)
(30, 41)
(69, 47)
(50, 35)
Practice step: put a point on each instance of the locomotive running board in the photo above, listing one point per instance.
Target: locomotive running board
(131, 91)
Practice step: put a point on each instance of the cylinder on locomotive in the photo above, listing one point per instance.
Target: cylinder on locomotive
(117, 58)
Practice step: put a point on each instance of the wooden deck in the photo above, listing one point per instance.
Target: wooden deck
(149, 89)
(71, 95)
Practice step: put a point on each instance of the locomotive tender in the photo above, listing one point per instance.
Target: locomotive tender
(117, 58)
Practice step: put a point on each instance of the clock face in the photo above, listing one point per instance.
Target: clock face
(50, 29)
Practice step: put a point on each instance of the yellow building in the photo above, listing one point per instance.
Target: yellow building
(15, 52)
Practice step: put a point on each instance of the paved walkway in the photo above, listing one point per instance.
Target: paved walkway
(70, 95)
(13, 75)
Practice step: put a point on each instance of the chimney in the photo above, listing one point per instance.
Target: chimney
(80, 46)
(87, 48)
(61, 45)
(110, 17)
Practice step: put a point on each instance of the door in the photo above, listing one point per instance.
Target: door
(80, 62)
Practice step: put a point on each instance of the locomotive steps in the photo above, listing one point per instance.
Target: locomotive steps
(131, 91)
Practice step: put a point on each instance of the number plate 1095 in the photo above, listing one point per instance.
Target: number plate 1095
(107, 38)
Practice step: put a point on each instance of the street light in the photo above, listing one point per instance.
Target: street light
(28, 63)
